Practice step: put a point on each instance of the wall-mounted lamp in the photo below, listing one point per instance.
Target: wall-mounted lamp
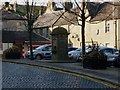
(75, 35)
(78, 39)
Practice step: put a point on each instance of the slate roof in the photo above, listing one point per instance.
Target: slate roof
(48, 19)
(12, 36)
(94, 8)
(108, 12)
(11, 15)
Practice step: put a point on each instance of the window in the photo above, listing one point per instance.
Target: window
(97, 32)
(107, 26)
(48, 48)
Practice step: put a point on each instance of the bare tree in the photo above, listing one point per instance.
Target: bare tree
(31, 12)
(31, 17)
(83, 16)
(82, 6)
(30, 25)
(83, 19)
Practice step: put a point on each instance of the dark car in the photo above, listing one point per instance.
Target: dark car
(71, 49)
(111, 53)
(117, 60)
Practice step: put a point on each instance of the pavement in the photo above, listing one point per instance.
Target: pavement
(110, 75)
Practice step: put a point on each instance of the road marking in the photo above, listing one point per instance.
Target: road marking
(107, 83)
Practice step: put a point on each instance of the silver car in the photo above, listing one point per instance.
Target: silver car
(75, 54)
(111, 53)
(43, 51)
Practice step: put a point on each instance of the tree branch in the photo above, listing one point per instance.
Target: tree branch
(77, 5)
(87, 16)
(114, 4)
(58, 19)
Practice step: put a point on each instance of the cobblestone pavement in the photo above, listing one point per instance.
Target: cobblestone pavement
(111, 74)
(21, 76)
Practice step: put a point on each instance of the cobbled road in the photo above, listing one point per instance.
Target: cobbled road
(23, 76)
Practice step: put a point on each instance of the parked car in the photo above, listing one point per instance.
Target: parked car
(117, 60)
(117, 63)
(111, 53)
(71, 48)
(75, 54)
(42, 52)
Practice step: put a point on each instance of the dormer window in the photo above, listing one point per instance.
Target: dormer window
(54, 6)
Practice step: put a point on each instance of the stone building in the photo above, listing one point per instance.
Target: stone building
(14, 31)
(102, 27)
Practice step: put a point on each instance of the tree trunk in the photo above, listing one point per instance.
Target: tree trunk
(30, 27)
(83, 29)
(30, 40)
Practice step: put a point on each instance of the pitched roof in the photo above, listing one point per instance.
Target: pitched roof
(94, 8)
(11, 15)
(57, 18)
(12, 36)
(108, 12)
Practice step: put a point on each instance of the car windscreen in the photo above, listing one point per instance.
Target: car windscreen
(40, 47)
(79, 49)
(71, 49)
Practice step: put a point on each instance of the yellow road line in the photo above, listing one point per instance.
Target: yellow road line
(73, 74)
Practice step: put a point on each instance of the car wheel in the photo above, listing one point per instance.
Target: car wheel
(117, 64)
(39, 57)
(109, 64)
